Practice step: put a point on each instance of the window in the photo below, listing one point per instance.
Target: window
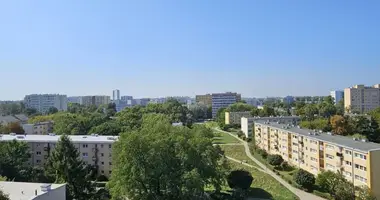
(110, 172)
(38, 152)
(360, 167)
(329, 146)
(329, 156)
(110, 163)
(313, 150)
(109, 146)
(101, 146)
(295, 144)
(364, 180)
(102, 154)
(348, 152)
(85, 145)
(38, 161)
(330, 166)
(313, 159)
(349, 163)
(102, 163)
(358, 155)
(294, 151)
(85, 154)
(347, 174)
(102, 171)
(313, 142)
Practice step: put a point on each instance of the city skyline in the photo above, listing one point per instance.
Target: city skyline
(169, 48)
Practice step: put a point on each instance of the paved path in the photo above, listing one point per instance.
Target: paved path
(228, 144)
(301, 194)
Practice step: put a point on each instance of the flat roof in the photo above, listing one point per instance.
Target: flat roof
(54, 138)
(332, 139)
(24, 191)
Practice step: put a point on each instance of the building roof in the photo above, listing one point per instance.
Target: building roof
(22, 117)
(8, 119)
(24, 191)
(325, 137)
(52, 138)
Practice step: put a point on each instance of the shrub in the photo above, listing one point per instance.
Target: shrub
(285, 166)
(304, 179)
(239, 179)
(248, 139)
(275, 160)
(102, 178)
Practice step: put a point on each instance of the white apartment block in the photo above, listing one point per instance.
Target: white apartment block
(33, 191)
(42, 102)
(93, 149)
(223, 100)
(362, 99)
(247, 123)
(95, 100)
(337, 95)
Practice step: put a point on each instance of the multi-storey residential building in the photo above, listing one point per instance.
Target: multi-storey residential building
(223, 100)
(358, 160)
(74, 99)
(337, 95)
(235, 117)
(115, 95)
(42, 102)
(95, 100)
(247, 123)
(93, 149)
(33, 191)
(204, 99)
(362, 99)
(126, 98)
(40, 128)
(251, 101)
(288, 100)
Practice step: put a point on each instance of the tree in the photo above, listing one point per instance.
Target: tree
(198, 111)
(65, 166)
(13, 127)
(31, 111)
(364, 193)
(328, 181)
(340, 107)
(239, 179)
(220, 117)
(304, 178)
(275, 160)
(239, 107)
(161, 161)
(3, 196)
(107, 128)
(310, 111)
(267, 111)
(365, 126)
(339, 125)
(13, 163)
(52, 110)
(319, 124)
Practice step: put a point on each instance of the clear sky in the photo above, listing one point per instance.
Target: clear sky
(187, 47)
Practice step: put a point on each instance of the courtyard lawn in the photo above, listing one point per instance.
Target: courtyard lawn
(224, 138)
(237, 152)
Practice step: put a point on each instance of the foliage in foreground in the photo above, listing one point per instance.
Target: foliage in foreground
(160, 161)
(304, 179)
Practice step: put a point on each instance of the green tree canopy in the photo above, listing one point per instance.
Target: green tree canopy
(13, 160)
(160, 161)
(65, 165)
(304, 178)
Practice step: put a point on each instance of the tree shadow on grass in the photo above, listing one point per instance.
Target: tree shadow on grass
(258, 193)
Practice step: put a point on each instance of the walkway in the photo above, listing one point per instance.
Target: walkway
(301, 194)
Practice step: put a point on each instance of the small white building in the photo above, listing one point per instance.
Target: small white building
(33, 191)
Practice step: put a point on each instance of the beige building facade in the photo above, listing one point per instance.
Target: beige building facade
(247, 123)
(93, 149)
(362, 99)
(314, 152)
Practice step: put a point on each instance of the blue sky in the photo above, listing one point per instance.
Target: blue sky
(170, 47)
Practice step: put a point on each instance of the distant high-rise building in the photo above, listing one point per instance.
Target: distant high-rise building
(126, 98)
(223, 100)
(251, 101)
(337, 95)
(95, 100)
(362, 99)
(204, 99)
(288, 100)
(116, 95)
(73, 99)
(42, 102)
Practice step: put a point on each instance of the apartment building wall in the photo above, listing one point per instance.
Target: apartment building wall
(362, 99)
(235, 117)
(247, 122)
(97, 153)
(314, 154)
(42, 102)
(204, 99)
(223, 100)
(337, 95)
(95, 100)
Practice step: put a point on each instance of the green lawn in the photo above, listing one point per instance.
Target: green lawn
(237, 152)
(224, 138)
(264, 186)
